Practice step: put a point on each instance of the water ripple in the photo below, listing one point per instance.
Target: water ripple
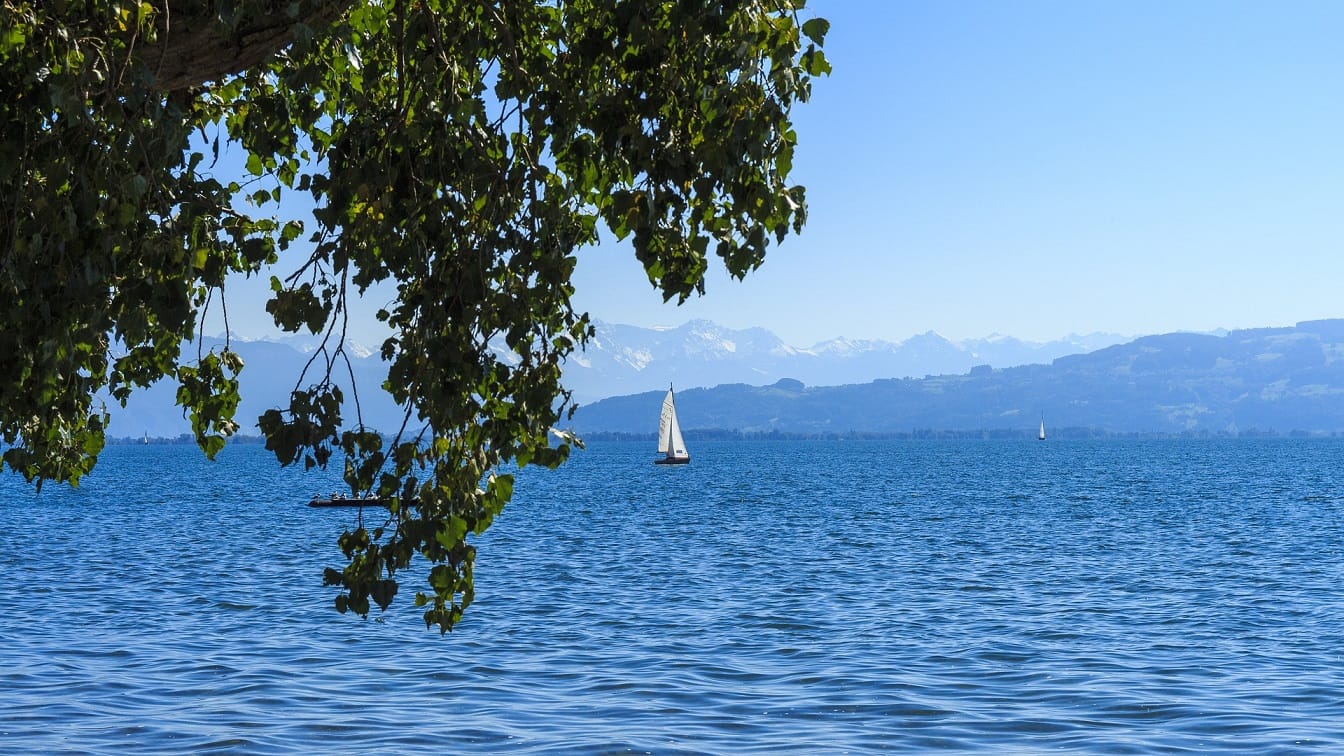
(1124, 597)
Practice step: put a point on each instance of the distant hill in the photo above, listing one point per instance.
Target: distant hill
(619, 360)
(270, 370)
(1265, 379)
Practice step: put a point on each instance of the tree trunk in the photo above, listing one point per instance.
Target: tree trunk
(195, 45)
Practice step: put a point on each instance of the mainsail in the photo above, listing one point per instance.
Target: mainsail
(670, 442)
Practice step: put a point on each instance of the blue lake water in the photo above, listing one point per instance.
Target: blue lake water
(1086, 596)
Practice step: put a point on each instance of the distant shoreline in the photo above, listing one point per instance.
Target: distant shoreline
(186, 439)
(968, 435)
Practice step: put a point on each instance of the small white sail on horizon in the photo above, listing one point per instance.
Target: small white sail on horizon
(1041, 436)
(670, 443)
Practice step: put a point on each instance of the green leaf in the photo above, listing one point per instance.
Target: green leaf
(815, 29)
(815, 63)
(454, 158)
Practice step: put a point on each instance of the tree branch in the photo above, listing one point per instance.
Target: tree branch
(199, 46)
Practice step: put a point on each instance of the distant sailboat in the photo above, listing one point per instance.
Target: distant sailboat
(670, 443)
(1041, 436)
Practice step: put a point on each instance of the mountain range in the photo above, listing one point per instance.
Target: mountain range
(624, 359)
(1282, 379)
(1255, 380)
(270, 372)
(619, 359)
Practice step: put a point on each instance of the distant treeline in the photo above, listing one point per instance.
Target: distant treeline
(720, 434)
(716, 434)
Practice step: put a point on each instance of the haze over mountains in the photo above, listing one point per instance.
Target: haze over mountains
(1280, 379)
(625, 359)
(621, 359)
(1257, 380)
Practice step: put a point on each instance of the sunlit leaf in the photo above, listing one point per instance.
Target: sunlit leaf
(459, 154)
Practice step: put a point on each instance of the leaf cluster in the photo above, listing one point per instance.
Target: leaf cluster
(462, 151)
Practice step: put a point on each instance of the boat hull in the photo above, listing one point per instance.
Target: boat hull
(673, 461)
(351, 501)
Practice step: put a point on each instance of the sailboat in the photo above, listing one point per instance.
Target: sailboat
(1041, 436)
(670, 443)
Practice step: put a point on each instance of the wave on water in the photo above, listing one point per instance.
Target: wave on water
(1115, 596)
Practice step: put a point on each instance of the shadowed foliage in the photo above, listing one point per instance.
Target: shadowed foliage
(458, 151)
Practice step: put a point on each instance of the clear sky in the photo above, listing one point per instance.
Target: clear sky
(1044, 168)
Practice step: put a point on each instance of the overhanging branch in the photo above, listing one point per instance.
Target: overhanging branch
(196, 45)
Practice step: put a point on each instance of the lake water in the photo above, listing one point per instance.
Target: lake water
(1087, 596)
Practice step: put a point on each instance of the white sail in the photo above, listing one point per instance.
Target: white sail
(670, 442)
(678, 446)
(1041, 435)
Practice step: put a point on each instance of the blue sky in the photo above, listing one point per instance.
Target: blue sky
(1045, 168)
(1039, 169)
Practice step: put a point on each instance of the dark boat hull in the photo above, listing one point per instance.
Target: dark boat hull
(350, 501)
(673, 461)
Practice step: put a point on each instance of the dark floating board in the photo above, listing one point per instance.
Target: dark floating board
(350, 501)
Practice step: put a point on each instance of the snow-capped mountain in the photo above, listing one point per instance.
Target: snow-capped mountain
(624, 359)
(304, 343)
(1244, 382)
(619, 360)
